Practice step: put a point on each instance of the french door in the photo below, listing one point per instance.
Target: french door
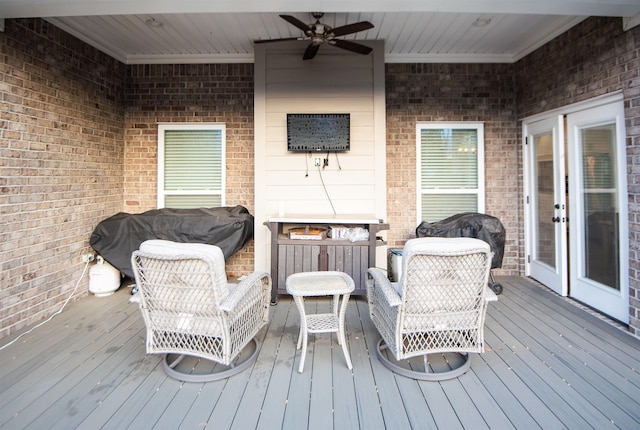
(576, 206)
(547, 203)
(599, 275)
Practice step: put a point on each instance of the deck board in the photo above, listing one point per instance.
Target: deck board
(485, 401)
(197, 417)
(471, 417)
(368, 402)
(393, 409)
(588, 331)
(296, 394)
(274, 362)
(318, 362)
(50, 347)
(495, 377)
(585, 385)
(548, 364)
(39, 389)
(344, 392)
(532, 373)
(103, 378)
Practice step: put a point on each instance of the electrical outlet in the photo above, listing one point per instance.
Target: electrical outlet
(87, 258)
(317, 161)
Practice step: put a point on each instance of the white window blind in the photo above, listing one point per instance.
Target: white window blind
(191, 165)
(450, 169)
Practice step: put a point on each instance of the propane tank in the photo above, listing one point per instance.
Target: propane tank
(104, 279)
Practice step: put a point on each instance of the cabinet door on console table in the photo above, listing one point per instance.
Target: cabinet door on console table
(352, 260)
(294, 259)
(289, 256)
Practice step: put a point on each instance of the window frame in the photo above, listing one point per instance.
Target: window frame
(162, 193)
(480, 191)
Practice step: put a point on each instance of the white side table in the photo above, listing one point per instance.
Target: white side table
(335, 284)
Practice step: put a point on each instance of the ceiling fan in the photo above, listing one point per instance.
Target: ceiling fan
(319, 33)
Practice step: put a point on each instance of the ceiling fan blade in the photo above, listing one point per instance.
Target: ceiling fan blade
(311, 51)
(277, 40)
(350, 46)
(351, 28)
(301, 25)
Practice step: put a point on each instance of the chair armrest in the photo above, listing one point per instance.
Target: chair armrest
(379, 280)
(489, 295)
(260, 280)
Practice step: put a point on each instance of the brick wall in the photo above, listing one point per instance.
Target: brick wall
(454, 92)
(65, 135)
(595, 57)
(61, 133)
(190, 93)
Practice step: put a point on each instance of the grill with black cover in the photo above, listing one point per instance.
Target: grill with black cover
(116, 237)
(471, 224)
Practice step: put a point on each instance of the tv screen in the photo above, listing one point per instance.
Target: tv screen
(318, 132)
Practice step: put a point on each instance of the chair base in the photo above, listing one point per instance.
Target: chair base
(172, 369)
(395, 366)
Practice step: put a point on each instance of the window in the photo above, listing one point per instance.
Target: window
(450, 165)
(191, 165)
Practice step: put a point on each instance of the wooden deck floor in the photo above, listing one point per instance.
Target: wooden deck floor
(548, 365)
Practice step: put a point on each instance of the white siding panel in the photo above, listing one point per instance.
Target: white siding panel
(335, 81)
(320, 88)
(313, 76)
(320, 206)
(337, 192)
(289, 56)
(358, 119)
(280, 178)
(311, 103)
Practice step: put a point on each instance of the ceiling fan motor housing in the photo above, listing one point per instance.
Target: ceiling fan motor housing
(319, 33)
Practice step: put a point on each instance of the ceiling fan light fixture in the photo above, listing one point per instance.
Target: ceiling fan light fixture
(481, 22)
(318, 33)
(154, 23)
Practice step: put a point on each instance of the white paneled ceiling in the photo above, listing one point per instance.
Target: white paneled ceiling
(198, 31)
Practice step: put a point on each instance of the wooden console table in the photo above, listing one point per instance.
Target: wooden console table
(290, 256)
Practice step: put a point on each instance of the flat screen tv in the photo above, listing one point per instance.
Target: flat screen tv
(318, 132)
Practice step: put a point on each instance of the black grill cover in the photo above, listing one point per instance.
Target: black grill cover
(116, 237)
(469, 224)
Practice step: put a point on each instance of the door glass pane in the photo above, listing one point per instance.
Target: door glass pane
(545, 211)
(600, 212)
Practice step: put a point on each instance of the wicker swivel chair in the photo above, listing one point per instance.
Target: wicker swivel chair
(190, 311)
(437, 308)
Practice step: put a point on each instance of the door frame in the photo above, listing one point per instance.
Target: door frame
(557, 277)
(615, 97)
(591, 292)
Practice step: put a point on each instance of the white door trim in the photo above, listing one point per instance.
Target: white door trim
(613, 302)
(621, 311)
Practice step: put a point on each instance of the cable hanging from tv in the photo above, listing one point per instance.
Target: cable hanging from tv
(325, 189)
